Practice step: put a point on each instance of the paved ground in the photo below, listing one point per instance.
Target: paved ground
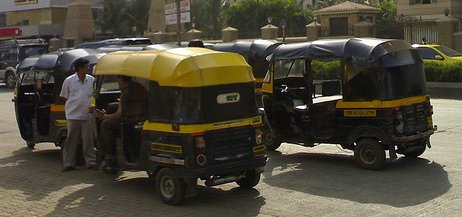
(298, 181)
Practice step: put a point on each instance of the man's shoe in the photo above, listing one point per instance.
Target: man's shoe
(67, 169)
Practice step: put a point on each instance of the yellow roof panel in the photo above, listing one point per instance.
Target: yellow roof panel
(187, 67)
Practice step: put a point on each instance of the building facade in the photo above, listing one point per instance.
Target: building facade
(436, 20)
(37, 18)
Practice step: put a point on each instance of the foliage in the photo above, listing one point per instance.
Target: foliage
(326, 70)
(207, 17)
(121, 15)
(438, 72)
(248, 16)
(434, 72)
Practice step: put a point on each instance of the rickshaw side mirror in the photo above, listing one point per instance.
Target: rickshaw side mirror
(331, 88)
(439, 57)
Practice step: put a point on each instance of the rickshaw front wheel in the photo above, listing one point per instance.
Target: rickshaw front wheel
(250, 180)
(370, 154)
(170, 188)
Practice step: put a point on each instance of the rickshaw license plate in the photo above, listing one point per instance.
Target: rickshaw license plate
(430, 121)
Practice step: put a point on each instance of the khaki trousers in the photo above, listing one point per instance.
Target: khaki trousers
(75, 129)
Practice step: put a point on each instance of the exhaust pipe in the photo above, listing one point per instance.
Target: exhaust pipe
(223, 180)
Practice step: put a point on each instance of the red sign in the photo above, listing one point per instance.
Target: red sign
(10, 32)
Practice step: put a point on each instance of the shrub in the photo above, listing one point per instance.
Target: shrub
(447, 72)
(434, 71)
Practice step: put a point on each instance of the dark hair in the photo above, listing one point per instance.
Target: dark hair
(196, 43)
(79, 63)
(125, 78)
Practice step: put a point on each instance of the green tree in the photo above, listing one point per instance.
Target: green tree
(207, 17)
(138, 15)
(114, 20)
(120, 16)
(250, 15)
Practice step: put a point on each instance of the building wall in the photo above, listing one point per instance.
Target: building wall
(10, 5)
(34, 17)
(405, 7)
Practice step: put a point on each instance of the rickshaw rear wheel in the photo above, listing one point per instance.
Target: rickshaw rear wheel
(170, 188)
(416, 153)
(369, 154)
(250, 180)
(272, 142)
(30, 145)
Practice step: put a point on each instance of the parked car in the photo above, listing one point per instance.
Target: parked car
(115, 41)
(438, 53)
(12, 52)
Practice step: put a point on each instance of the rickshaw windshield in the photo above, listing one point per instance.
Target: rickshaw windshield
(109, 84)
(294, 68)
(30, 77)
(202, 104)
(405, 77)
(393, 76)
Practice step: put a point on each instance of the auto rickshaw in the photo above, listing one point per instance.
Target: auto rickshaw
(201, 124)
(39, 109)
(256, 53)
(380, 103)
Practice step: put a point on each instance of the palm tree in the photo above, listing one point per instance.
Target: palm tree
(114, 18)
(138, 15)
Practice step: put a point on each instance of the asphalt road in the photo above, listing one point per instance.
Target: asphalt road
(298, 181)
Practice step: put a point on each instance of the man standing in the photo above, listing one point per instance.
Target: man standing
(77, 91)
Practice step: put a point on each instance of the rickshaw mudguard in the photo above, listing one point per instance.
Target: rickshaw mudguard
(368, 132)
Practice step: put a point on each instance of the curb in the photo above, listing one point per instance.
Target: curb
(445, 90)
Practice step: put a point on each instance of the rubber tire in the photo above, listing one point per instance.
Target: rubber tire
(167, 174)
(30, 145)
(250, 180)
(10, 83)
(372, 146)
(417, 153)
(271, 142)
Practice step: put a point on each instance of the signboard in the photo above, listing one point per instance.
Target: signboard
(170, 19)
(10, 32)
(24, 2)
(170, 8)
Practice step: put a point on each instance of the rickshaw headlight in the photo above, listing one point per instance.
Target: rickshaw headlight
(258, 136)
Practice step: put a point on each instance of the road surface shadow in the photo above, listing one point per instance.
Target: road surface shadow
(37, 175)
(405, 182)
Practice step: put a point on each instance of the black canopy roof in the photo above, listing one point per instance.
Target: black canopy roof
(368, 49)
(26, 64)
(255, 53)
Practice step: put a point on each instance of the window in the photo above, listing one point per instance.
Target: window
(417, 2)
(427, 53)
(448, 51)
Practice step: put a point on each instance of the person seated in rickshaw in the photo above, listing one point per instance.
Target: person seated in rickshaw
(132, 108)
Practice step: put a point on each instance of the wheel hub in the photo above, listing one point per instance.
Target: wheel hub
(368, 155)
(167, 186)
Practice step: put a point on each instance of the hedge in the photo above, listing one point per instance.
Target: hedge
(435, 72)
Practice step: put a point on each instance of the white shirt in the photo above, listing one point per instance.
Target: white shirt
(78, 97)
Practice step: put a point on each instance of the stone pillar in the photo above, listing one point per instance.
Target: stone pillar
(192, 34)
(156, 21)
(269, 32)
(447, 26)
(457, 38)
(229, 34)
(364, 29)
(79, 25)
(312, 31)
(159, 37)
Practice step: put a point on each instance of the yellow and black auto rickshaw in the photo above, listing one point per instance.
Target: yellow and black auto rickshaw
(39, 109)
(201, 124)
(379, 103)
